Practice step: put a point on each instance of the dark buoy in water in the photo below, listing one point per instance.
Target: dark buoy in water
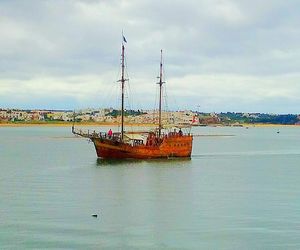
(278, 132)
(95, 215)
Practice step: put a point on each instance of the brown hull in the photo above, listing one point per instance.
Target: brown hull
(175, 146)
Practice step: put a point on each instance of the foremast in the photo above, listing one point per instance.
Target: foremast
(160, 95)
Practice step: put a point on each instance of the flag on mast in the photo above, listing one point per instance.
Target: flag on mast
(124, 39)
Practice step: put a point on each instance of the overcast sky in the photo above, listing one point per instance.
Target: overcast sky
(219, 55)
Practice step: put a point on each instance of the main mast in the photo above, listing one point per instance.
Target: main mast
(160, 96)
(122, 80)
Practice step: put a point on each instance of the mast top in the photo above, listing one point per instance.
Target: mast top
(123, 39)
(161, 69)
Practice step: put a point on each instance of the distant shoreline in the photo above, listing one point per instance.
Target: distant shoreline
(67, 124)
(269, 125)
(70, 124)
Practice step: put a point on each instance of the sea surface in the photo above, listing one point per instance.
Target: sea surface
(240, 190)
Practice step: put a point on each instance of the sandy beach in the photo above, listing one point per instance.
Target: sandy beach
(68, 124)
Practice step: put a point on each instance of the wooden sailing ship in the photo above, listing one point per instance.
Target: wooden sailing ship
(140, 145)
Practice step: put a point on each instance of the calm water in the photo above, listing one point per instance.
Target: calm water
(237, 192)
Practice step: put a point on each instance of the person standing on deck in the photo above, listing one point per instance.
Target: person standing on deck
(109, 133)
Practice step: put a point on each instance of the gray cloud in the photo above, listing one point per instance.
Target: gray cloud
(219, 54)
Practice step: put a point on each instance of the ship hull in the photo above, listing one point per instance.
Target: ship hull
(179, 146)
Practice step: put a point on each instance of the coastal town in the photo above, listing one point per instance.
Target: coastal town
(110, 116)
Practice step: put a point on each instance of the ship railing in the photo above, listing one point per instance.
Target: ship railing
(116, 136)
(93, 134)
(176, 134)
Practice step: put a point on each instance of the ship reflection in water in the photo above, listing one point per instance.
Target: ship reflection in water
(161, 162)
